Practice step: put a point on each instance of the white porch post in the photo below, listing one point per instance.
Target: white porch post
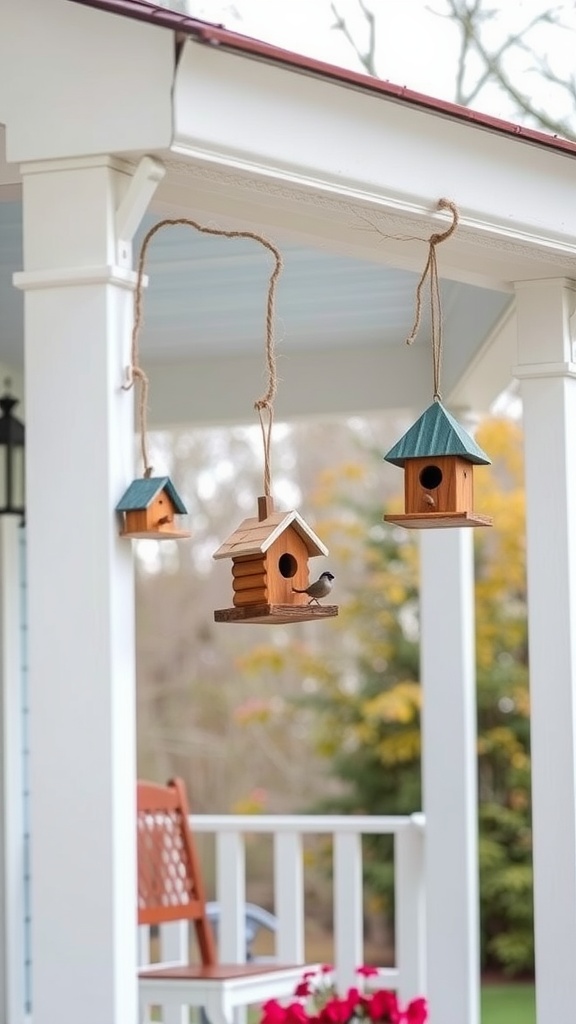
(78, 307)
(547, 369)
(449, 774)
(12, 986)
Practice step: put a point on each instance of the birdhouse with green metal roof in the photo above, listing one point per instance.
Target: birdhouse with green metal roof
(148, 509)
(438, 457)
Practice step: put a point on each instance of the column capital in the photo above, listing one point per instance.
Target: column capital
(36, 280)
(77, 163)
(82, 213)
(531, 371)
(548, 283)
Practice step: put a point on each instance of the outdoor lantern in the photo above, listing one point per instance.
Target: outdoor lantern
(12, 458)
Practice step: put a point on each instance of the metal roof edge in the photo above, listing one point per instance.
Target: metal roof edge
(214, 34)
(436, 433)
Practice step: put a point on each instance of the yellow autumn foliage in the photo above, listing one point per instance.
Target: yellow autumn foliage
(399, 747)
(372, 617)
(400, 704)
(501, 551)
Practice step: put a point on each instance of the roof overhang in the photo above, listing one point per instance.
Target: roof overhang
(346, 163)
(255, 137)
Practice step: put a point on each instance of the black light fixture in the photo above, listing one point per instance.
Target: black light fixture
(11, 457)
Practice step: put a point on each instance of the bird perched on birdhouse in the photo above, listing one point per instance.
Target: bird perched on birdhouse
(438, 458)
(270, 575)
(148, 508)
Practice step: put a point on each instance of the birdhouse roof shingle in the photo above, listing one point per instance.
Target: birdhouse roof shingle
(254, 536)
(141, 494)
(436, 433)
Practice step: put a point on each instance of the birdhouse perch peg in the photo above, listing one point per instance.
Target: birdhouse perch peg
(438, 459)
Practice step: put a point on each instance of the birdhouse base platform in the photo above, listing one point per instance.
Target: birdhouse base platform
(276, 614)
(438, 520)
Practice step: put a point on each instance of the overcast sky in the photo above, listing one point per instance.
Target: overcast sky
(417, 46)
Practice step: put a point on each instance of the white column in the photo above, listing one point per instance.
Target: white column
(449, 774)
(78, 313)
(11, 779)
(547, 369)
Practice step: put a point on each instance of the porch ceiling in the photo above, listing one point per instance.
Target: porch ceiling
(345, 178)
(342, 318)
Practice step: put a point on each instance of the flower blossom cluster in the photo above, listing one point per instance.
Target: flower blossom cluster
(317, 1002)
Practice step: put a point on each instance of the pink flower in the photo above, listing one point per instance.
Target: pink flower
(383, 1006)
(295, 1014)
(319, 1004)
(351, 1001)
(304, 988)
(335, 1011)
(367, 972)
(417, 1012)
(273, 1012)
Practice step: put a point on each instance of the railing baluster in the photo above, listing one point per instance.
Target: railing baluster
(143, 945)
(409, 898)
(289, 897)
(174, 942)
(348, 907)
(408, 975)
(231, 895)
(174, 939)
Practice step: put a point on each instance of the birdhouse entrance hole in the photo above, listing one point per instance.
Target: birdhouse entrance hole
(430, 477)
(288, 566)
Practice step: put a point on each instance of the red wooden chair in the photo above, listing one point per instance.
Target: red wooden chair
(170, 888)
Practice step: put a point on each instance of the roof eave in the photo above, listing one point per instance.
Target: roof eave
(217, 34)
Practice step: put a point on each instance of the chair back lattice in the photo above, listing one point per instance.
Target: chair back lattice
(170, 885)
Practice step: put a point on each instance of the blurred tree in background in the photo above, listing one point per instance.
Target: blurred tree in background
(326, 717)
(366, 697)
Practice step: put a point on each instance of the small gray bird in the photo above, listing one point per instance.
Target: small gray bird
(320, 588)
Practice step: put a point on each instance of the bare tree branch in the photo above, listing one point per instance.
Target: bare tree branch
(367, 58)
(470, 18)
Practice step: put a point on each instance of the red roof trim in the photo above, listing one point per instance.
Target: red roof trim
(218, 35)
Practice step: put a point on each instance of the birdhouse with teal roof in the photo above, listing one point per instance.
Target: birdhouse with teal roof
(438, 458)
(148, 509)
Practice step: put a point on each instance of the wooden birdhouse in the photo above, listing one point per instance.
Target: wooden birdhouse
(438, 459)
(270, 555)
(148, 508)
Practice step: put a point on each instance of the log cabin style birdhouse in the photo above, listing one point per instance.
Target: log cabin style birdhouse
(270, 555)
(148, 508)
(438, 458)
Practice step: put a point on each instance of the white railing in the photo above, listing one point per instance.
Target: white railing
(407, 976)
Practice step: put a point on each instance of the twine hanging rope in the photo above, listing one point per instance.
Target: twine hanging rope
(431, 271)
(263, 405)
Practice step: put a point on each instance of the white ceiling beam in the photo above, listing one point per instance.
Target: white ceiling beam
(362, 167)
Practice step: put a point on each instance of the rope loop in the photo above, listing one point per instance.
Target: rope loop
(137, 374)
(431, 271)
